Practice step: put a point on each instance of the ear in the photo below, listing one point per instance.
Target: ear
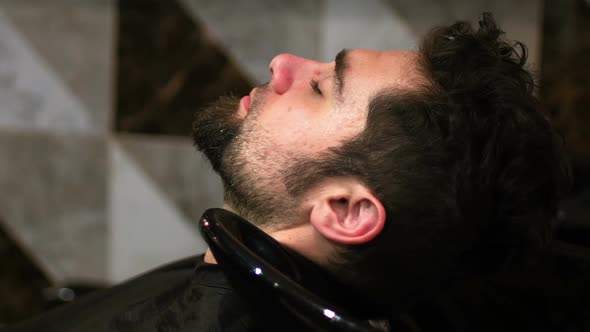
(346, 211)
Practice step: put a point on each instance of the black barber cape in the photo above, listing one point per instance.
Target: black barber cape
(191, 295)
(177, 297)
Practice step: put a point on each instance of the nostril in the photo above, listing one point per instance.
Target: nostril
(282, 69)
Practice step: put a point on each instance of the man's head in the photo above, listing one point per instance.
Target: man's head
(305, 109)
(396, 170)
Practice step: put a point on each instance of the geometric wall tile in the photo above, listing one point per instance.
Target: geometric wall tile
(178, 170)
(19, 275)
(53, 201)
(521, 19)
(75, 39)
(168, 67)
(565, 83)
(254, 32)
(319, 29)
(363, 24)
(146, 228)
(32, 95)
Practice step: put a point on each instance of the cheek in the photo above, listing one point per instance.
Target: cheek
(304, 129)
(310, 136)
(288, 123)
(296, 133)
(285, 137)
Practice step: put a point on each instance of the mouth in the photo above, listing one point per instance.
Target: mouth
(246, 102)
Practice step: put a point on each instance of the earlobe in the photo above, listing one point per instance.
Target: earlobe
(352, 218)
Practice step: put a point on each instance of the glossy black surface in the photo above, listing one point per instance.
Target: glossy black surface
(287, 290)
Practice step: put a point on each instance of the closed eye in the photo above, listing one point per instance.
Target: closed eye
(315, 85)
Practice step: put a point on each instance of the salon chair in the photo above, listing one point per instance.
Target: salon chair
(280, 289)
(294, 294)
(288, 291)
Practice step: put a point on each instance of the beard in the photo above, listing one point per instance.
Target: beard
(215, 128)
(224, 139)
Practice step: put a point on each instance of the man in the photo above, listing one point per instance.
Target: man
(397, 171)
(400, 173)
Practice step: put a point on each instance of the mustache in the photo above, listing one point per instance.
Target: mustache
(259, 96)
(263, 88)
(214, 128)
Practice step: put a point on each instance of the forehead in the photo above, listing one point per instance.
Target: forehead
(368, 72)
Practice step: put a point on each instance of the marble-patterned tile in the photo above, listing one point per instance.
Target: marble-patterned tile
(22, 282)
(178, 170)
(520, 19)
(421, 15)
(168, 67)
(32, 95)
(146, 228)
(53, 201)
(76, 40)
(363, 24)
(255, 31)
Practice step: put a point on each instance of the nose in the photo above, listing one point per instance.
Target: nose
(287, 69)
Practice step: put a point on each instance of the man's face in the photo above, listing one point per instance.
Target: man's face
(305, 109)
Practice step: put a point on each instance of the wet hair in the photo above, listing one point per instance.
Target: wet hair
(468, 168)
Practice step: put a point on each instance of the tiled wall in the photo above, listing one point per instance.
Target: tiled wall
(98, 179)
(56, 95)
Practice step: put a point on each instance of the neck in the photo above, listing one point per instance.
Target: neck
(302, 238)
(297, 239)
(209, 258)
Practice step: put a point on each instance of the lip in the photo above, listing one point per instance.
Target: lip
(246, 101)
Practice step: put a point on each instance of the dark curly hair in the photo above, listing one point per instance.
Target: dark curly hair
(468, 168)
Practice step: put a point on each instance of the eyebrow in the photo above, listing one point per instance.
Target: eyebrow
(339, 71)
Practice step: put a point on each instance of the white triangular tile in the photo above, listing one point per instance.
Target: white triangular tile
(253, 32)
(76, 39)
(179, 171)
(367, 24)
(146, 229)
(32, 95)
(53, 201)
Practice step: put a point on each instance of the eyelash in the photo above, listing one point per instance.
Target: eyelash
(315, 85)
